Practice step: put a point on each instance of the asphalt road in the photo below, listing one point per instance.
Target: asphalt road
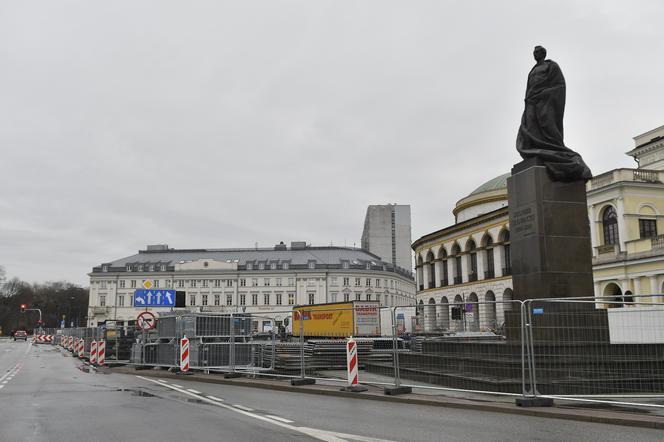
(47, 395)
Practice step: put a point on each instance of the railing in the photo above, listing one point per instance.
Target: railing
(625, 175)
(657, 242)
(649, 176)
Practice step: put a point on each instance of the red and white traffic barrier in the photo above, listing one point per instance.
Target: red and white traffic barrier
(62, 341)
(101, 352)
(352, 366)
(43, 339)
(70, 344)
(93, 352)
(81, 348)
(184, 354)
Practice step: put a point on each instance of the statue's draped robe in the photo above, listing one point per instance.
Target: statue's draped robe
(541, 131)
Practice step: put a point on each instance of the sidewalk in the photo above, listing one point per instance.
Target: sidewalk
(637, 417)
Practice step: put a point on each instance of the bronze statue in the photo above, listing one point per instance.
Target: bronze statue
(541, 131)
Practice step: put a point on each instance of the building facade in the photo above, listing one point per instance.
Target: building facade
(387, 234)
(467, 264)
(626, 211)
(264, 282)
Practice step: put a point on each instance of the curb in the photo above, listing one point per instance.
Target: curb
(581, 415)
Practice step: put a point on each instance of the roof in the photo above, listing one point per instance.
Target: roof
(497, 183)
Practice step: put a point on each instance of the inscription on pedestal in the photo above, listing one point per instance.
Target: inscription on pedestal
(524, 220)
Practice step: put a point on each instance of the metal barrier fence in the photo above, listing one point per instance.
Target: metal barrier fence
(572, 349)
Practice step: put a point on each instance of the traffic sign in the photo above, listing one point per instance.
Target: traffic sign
(148, 284)
(154, 298)
(146, 321)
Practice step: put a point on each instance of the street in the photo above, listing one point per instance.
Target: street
(46, 395)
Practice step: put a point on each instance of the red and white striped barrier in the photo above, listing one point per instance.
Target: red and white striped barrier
(43, 339)
(352, 366)
(70, 344)
(81, 348)
(62, 341)
(184, 354)
(93, 352)
(101, 352)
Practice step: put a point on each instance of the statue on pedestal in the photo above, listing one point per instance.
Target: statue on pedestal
(541, 131)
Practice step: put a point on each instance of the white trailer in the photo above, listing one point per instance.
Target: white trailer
(405, 320)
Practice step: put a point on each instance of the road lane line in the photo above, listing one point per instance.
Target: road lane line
(246, 413)
(179, 386)
(280, 419)
(328, 436)
(214, 398)
(2, 386)
(242, 407)
(194, 391)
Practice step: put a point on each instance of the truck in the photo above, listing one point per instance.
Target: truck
(337, 319)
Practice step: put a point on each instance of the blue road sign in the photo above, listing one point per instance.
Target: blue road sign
(154, 298)
(538, 311)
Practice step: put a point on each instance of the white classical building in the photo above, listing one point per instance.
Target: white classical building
(468, 263)
(264, 282)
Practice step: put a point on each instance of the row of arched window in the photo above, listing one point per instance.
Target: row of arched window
(449, 269)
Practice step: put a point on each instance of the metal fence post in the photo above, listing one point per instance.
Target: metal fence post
(303, 379)
(397, 389)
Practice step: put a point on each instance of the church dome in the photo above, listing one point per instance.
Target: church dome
(489, 196)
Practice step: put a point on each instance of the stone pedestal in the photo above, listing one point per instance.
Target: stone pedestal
(550, 248)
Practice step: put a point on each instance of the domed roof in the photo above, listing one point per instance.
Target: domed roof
(497, 183)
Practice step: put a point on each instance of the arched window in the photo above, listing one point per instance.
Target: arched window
(442, 255)
(610, 226)
(507, 255)
(456, 252)
(431, 268)
(489, 268)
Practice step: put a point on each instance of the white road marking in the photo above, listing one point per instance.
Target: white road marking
(242, 407)
(193, 391)
(328, 436)
(215, 398)
(2, 386)
(4, 382)
(179, 386)
(280, 419)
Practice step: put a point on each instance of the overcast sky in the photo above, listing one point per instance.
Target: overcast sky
(226, 124)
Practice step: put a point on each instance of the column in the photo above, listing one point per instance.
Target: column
(438, 273)
(425, 275)
(620, 211)
(654, 289)
(597, 289)
(481, 255)
(498, 261)
(593, 230)
(465, 265)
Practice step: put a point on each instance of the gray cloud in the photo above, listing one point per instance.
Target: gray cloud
(223, 124)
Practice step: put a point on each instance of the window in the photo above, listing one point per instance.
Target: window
(647, 228)
(278, 282)
(243, 299)
(377, 282)
(357, 282)
(229, 283)
(180, 283)
(102, 300)
(284, 266)
(472, 274)
(610, 226)
(273, 266)
(358, 296)
(128, 268)
(378, 297)
(205, 283)
(368, 296)
(104, 268)
(334, 280)
(333, 297)
(204, 301)
(368, 282)
(140, 267)
(192, 300)
(291, 298)
(152, 267)
(156, 283)
(121, 301)
(243, 282)
(254, 282)
(217, 299)
(291, 282)
(163, 267)
(192, 283)
(133, 284)
(266, 282)
(266, 298)
(368, 266)
(122, 284)
(250, 266)
(217, 282)
(346, 297)
(312, 264)
(346, 282)
(229, 299)
(278, 298)
(312, 298)
(254, 299)
(102, 285)
(345, 264)
(261, 266)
